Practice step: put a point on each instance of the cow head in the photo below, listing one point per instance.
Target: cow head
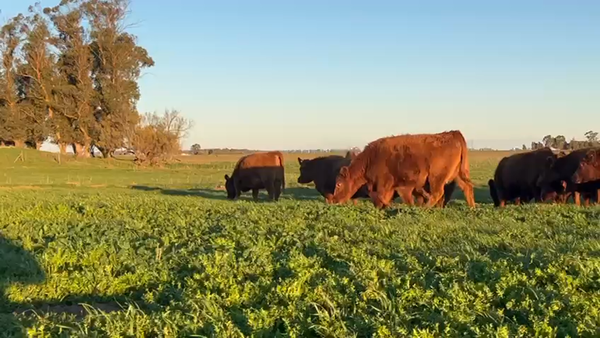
(588, 170)
(230, 187)
(344, 186)
(306, 171)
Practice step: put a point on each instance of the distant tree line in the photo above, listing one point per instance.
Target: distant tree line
(69, 75)
(560, 142)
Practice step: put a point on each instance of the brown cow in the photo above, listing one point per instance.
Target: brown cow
(566, 171)
(324, 170)
(257, 171)
(404, 163)
(516, 176)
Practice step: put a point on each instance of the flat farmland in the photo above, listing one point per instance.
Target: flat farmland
(95, 248)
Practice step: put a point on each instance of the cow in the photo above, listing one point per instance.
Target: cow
(324, 170)
(588, 171)
(516, 176)
(569, 171)
(257, 171)
(404, 163)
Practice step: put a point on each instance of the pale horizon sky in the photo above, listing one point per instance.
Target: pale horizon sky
(269, 74)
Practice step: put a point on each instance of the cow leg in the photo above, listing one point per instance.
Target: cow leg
(238, 189)
(586, 201)
(577, 198)
(270, 186)
(406, 193)
(277, 191)
(255, 194)
(419, 200)
(518, 201)
(467, 189)
(436, 188)
(382, 198)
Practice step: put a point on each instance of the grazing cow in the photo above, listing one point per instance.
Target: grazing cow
(257, 171)
(569, 171)
(324, 170)
(404, 164)
(516, 176)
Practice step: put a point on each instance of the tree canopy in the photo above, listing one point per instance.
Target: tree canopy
(69, 75)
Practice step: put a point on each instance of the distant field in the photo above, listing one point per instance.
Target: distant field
(162, 253)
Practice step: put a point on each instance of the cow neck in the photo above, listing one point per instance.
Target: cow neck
(356, 170)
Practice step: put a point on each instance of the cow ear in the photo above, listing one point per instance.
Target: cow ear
(226, 177)
(299, 161)
(549, 161)
(344, 171)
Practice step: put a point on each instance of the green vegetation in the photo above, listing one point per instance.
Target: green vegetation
(161, 253)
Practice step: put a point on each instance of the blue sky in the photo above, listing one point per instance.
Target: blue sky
(326, 74)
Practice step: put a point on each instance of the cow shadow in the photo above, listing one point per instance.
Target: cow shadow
(481, 192)
(17, 266)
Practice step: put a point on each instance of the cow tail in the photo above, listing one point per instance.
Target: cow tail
(280, 155)
(464, 162)
(494, 192)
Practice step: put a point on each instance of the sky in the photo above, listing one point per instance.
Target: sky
(306, 74)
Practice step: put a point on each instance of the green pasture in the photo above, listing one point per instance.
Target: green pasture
(96, 248)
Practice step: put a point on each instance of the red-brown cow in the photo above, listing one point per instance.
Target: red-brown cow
(404, 164)
(257, 171)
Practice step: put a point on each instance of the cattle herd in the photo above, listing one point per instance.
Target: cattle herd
(424, 169)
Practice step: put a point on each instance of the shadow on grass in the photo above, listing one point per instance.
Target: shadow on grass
(482, 194)
(19, 266)
(298, 193)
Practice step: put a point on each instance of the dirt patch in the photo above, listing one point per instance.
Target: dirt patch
(76, 309)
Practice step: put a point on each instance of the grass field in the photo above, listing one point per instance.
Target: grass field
(99, 248)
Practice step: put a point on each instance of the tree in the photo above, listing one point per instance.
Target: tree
(560, 142)
(75, 122)
(12, 120)
(524, 147)
(195, 149)
(153, 142)
(117, 65)
(173, 122)
(37, 78)
(591, 136)
(548, 141)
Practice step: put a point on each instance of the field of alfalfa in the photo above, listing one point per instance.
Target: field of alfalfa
(99, 248)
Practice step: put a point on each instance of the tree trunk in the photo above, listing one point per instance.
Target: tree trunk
(106, 153)
(62, 148)
(38, 145)
(82, 150)
(19, 144)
